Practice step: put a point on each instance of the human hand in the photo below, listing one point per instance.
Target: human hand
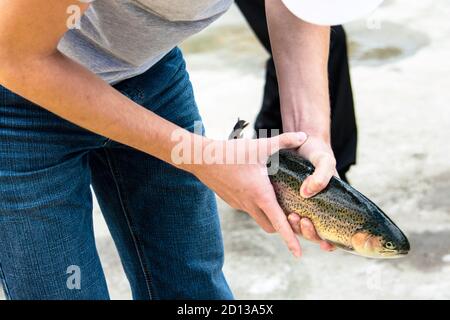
(320, 154)
(246, 186)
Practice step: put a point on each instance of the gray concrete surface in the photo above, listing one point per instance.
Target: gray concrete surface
(401, 77)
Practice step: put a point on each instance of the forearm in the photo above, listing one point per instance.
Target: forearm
(72, 92)
(300, 52)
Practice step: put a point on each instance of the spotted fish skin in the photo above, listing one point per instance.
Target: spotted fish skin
(339, 213)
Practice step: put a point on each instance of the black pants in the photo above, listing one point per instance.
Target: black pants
(343, 122)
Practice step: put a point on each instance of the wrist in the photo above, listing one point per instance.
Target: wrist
(309, 115)
(322, 135)
(317, 126)
(315, 148)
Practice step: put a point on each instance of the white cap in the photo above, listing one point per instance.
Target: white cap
(331, 12)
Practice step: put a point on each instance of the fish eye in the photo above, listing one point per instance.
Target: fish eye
(389, 245)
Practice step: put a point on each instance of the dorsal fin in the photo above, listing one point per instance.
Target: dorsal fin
(237, 130)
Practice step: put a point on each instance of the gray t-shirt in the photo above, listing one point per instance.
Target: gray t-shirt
(119, 39)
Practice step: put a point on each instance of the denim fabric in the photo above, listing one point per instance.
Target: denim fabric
(164, 222)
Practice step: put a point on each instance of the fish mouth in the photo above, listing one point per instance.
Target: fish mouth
(403, 252)
(393, 253)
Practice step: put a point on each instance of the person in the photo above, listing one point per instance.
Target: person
(343, 121)
(95, 92)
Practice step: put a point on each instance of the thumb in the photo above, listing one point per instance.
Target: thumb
(290, 140)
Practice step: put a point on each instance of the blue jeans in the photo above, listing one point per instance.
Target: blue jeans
(164, 221)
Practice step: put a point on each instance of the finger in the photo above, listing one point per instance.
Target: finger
(336, 174)
(326, 246)
(308, 231)
(279, 221)
(325, 169)
(294, 221)
(262, 220)
(290, 140)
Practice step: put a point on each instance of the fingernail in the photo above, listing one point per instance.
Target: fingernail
(302, 136)
(292, 251)
(306, 193)
(303, 223)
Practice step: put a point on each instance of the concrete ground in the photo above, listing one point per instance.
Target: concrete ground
(401, 79)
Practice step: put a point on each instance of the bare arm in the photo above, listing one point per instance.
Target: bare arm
(301, 52)
(31, 66)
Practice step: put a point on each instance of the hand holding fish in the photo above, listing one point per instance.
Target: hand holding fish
(247, 187)
(305, 228)
(321, 156)
(333, 214)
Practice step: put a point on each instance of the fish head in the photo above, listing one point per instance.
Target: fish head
(380, 241)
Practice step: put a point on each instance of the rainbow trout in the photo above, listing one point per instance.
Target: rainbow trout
(341, 214)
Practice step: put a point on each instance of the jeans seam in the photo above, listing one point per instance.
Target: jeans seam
(3, 281)
(136, 242)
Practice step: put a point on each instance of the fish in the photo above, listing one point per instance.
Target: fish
(340, 214)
